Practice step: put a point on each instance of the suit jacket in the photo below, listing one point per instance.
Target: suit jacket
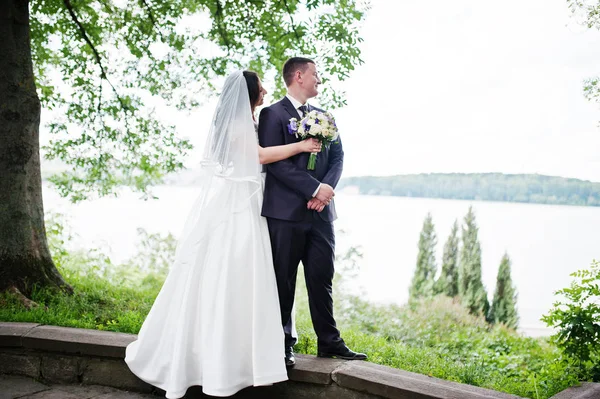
(289, 185)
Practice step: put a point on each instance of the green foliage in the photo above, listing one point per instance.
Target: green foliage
(470, 285)
(424, 277)
(461, 275)
(156, 254)
(438, 337)
(447, 283)
(504, 305)
(482, 187)
(108, 296)
(147, 269)
(587, 13)
(577, 318)
(435, 336)
(103, 67)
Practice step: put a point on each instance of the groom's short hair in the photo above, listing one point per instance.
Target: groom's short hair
(292, 65)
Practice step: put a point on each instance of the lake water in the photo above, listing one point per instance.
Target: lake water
(545, 242)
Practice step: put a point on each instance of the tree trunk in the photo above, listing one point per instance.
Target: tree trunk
(25, 260)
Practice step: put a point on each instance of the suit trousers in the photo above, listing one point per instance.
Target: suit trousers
(312, 242)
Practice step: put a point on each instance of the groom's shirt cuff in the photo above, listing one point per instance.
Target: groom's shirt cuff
(317, 190)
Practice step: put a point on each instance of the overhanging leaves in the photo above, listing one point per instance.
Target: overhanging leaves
(99, 64)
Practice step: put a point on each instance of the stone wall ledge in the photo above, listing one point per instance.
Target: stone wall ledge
(71, 355)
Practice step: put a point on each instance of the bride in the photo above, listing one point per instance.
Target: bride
(216, 321)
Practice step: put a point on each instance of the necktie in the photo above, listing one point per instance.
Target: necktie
(303, 109)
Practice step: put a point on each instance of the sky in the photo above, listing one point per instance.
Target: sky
(473, 86)
(464, 86)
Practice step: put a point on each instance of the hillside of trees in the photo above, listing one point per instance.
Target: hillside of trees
(481, 186)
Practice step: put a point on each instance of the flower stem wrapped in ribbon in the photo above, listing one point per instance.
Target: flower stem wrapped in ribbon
(315, 125)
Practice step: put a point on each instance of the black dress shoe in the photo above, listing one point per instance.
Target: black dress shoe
(290, 359)
(342, 353)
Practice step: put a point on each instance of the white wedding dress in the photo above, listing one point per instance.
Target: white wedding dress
(216, 321)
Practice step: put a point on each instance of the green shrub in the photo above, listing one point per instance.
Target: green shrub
(577, 318)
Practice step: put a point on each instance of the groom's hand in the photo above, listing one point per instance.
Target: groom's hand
(316, 205)
(325, 193)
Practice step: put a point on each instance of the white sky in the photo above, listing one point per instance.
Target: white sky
(473, 86)
(465, 86)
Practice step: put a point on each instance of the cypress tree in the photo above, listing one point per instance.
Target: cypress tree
(504, 306)
(424, 277)
(470, 285)
(447, 283)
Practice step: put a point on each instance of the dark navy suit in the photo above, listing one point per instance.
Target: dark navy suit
(297, 233)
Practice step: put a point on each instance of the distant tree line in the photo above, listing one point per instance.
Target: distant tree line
(460, 276)
(482, 186)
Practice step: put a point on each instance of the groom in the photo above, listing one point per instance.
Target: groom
(298, 204)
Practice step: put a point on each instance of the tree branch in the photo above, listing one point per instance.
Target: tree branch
(86, 38)
(107, 6)
(287, 7)
(152, 19)
(218, 20)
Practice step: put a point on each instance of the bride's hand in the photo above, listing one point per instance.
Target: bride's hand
(310, 145)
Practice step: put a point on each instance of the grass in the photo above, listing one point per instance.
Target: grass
(436, 337)
(96, 304)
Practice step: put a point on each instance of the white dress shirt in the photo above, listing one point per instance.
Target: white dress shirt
(297, 104)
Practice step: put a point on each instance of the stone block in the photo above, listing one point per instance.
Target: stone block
(11, 333)
(314, 370)
(398, 384)
(56, 368)
(27, 364)
(113, 373)
(586, 390)
(78, 341)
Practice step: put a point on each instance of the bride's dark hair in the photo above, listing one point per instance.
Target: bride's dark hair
(253, 88)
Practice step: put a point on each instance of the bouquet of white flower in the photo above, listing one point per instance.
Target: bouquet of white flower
(315, 125)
